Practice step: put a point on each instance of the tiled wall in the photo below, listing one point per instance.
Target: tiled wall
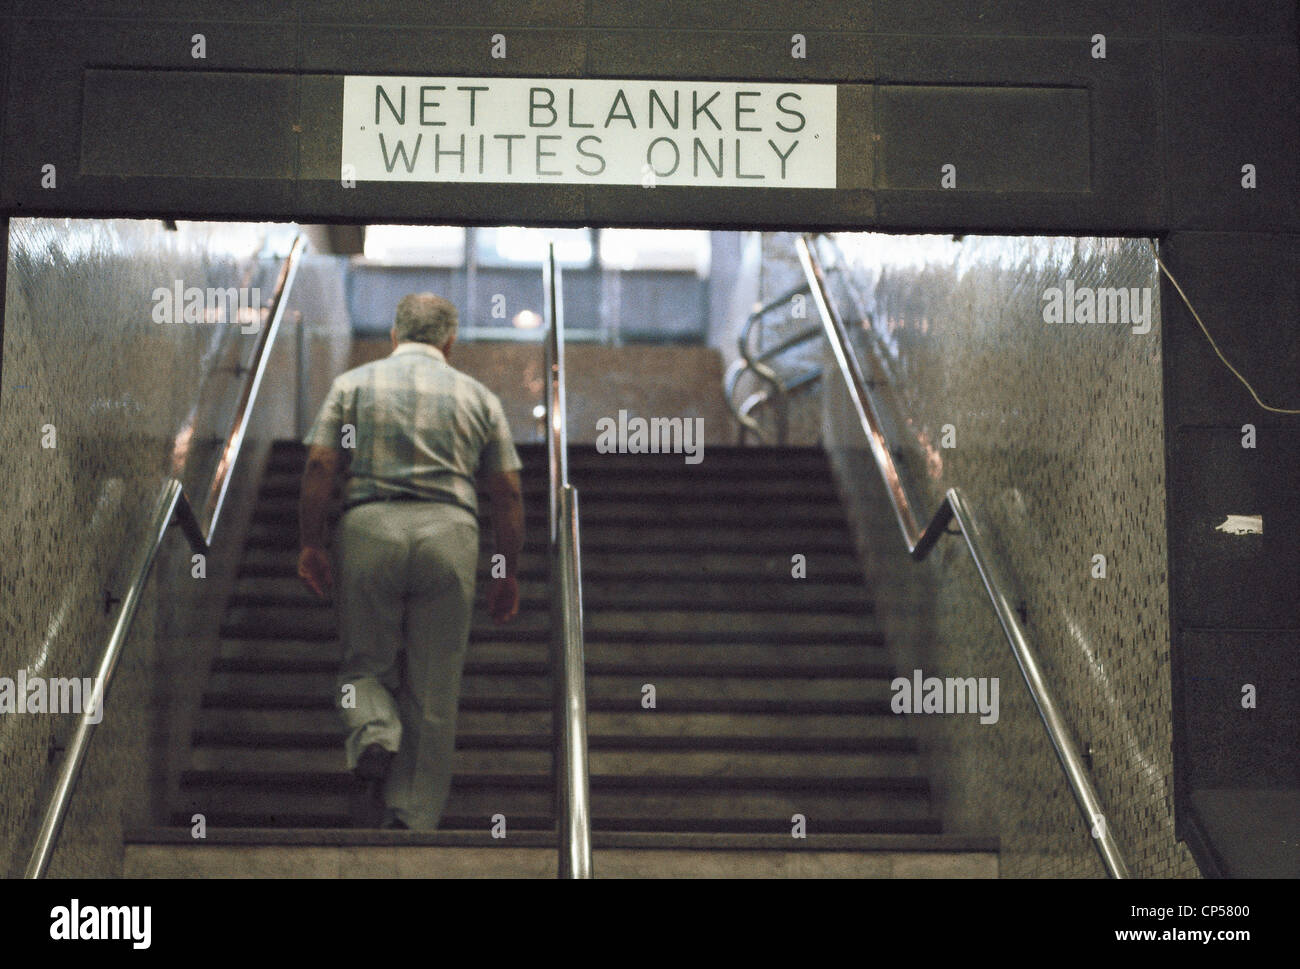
(83, 353)
(1058, 445)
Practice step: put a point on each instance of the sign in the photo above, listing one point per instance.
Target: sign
(588, 132)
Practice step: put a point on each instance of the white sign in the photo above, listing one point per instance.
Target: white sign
(579, 132)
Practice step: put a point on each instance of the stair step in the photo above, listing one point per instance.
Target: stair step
(616, 687)
(182, 836)
(309, 622)
(598, 510)
(757, 856)
(658, 536)
(648, 565)
(581, 458)
(272, 656)
(244, 700)
(648, 765)
(602, 594)
(624, 486)
(245, 737)
(318, 802)
(666, 726)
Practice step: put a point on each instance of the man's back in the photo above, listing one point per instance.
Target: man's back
(418, 427)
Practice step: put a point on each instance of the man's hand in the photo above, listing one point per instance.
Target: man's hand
(314, 569)
(503, 599)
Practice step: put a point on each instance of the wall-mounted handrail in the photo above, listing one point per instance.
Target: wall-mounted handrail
(172, 507)
(920, 541)
(568, 666)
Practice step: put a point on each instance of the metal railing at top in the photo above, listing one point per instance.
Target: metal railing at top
(172, 507)
(919, 542)
(776, 389)
(568, 667)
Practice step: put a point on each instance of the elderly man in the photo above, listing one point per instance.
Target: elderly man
(411, 433)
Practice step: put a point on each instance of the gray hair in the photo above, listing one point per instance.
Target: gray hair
(425, 318)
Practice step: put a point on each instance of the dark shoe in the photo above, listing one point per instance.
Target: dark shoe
(396, 824)
(373, 763)
(368, 792)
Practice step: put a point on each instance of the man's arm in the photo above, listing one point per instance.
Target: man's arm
(507, 498)
(323, 465)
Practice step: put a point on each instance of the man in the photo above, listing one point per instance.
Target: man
(411, 433)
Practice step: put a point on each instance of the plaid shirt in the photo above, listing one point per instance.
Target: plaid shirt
(422, 428)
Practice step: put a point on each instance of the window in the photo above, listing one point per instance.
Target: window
(664, 249)
(511, 246)
(420, 245)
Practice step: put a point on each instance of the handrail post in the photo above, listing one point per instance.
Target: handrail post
(568, 668)
(572, 786)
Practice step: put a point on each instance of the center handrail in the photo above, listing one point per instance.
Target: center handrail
(568, 667)
(173, 506)
(919, 542)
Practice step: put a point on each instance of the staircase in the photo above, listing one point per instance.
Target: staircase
(770, 698)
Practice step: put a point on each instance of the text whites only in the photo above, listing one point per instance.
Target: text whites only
(610, 132)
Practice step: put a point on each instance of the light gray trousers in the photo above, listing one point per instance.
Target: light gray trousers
(405, 591)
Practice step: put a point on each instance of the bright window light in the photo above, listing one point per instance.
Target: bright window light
(516, 246)
(671, 249)
(421, 245)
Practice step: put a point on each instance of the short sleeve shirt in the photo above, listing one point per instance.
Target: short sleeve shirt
(414, 425)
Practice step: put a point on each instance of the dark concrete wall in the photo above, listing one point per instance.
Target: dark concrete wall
(1043, 134)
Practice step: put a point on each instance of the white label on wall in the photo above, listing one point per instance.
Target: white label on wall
(598, 132)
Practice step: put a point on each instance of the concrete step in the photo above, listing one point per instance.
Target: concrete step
(519, 702)
(598, 508)
(759, 659)
(717, 458)
(307, 853)
(628, 485)
(725, 804)
(601, 688)
(774, 731)
(603, 593)
(658, 535)
(310, 622)
(702, 565)
(646, 764)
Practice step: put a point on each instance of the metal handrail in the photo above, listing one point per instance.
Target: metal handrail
(568, 667)
(756, 363)
(173, 506)
(955, 507)
(749, 362)
(789, 388)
